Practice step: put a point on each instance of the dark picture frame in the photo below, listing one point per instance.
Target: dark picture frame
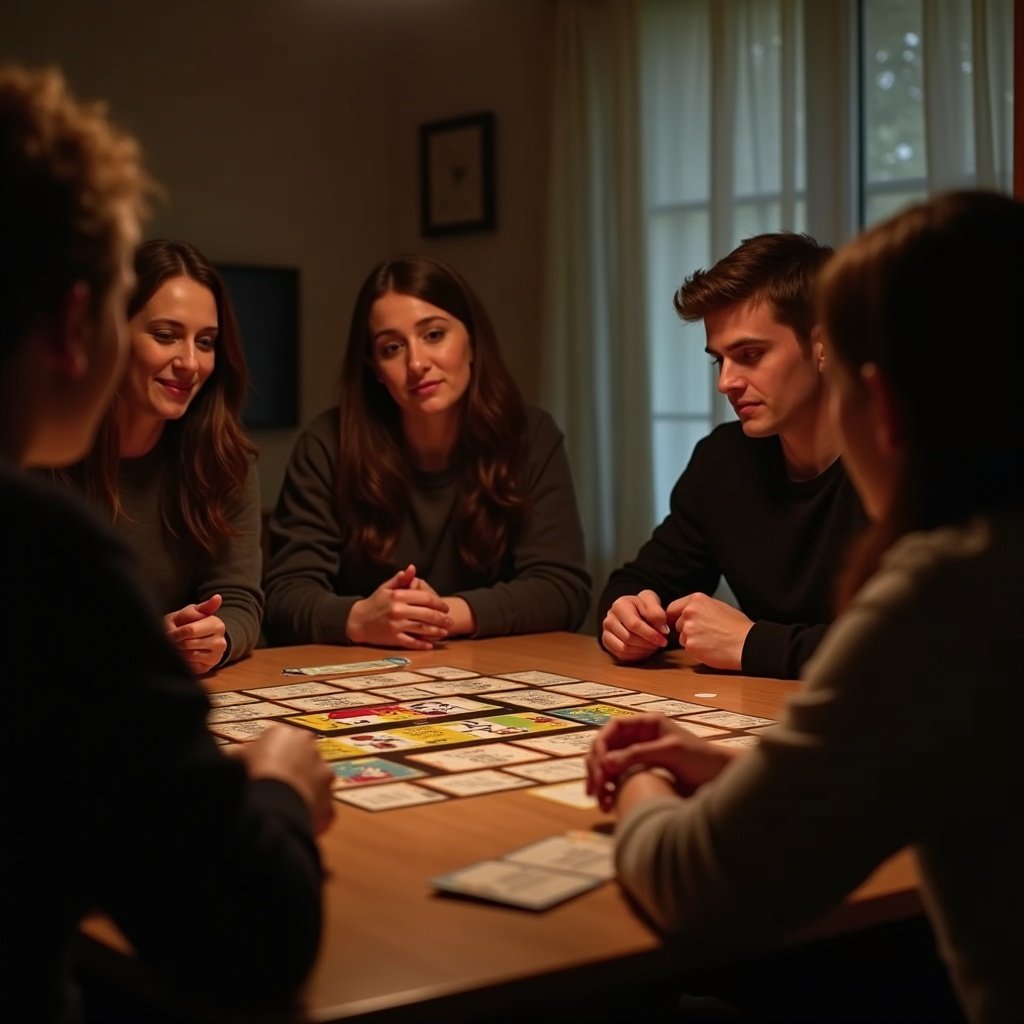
(457, 175)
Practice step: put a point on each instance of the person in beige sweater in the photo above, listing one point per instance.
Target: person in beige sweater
(906, 731)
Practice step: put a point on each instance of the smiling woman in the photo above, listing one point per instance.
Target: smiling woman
(431, 503)
(172, 464)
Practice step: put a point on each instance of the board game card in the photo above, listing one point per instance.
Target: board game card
(729, 720)
(445, 672)
(511, 724)
(348, 668)
(490, 755)
(562, 769)
(246, 712)
(586, 853)
(561, 746)
(737, 741)
(289, 690)
(378, 679)
(588, 688)
(632, 700)
(479, 684)
(539, 700)
(534, 677)
(370, 771)
(700, 729)
(243, 732)
(517, 885)
(397, 693)
(333, 701)
(672, 707)
(229, 699)
(594, 714)
(387, 798)
(571, 794)
(376, 742)
(475, 783)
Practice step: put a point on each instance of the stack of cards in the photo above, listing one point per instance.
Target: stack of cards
(536, 877)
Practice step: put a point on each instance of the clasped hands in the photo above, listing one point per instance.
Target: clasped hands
(406, 611)
(712, 631)
(647, 741)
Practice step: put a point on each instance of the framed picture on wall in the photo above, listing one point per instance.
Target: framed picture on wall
(457, 175)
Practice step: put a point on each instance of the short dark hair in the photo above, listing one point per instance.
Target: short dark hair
(780, 269)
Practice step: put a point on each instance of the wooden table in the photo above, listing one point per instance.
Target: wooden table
(392, 949)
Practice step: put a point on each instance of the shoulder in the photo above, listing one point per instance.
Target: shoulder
(540, 425)
(320, 434)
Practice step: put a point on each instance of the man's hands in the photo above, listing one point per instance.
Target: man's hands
(404, 611)
(198, 634)
(635, 627)
(712, 631)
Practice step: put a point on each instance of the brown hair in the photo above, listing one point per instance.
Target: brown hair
(780, 269)
(910, 295)
(373, 469)
(69, 182)
(206, 449)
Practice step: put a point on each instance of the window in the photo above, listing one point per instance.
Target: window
(727, 147)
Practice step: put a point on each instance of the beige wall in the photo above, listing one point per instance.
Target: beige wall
(285, 132)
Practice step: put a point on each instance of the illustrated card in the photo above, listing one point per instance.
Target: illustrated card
(349, 668)
(563, 769)
(246, 712)
(479, 684)
(333, 701)
(330, 748)
(674, 707)
(534, 677)
(229, 699)
(398, 693)
(588, 689)
(510, 724)
(729, 720)
(571, 794)
(243, 732)
(475, 783)
(561, 746)
(389, 714)
(539, 700)
(518, 885)
(700, 729)
(446, 672)
(738, 741)
(586, 853)
(290, 690)
(377, 742)
(490, 755)
(387, 798)
(594, 714)
(370, 771)
(632, 700)
(375, 680)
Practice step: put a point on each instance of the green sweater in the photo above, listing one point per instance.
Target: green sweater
(178, 571)
(541, 585)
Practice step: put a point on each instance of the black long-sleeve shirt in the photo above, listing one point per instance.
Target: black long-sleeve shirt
(780, 544)
(312, 583)
(117, 796)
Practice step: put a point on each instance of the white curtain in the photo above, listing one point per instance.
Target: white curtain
(968, 71)
(595, 364)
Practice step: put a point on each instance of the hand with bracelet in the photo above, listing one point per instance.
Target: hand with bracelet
(627, 746)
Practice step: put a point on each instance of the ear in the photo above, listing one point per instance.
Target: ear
(72, 328)
(818, 348)
(883, 410)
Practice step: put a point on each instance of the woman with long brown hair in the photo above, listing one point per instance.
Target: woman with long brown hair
(906, 732)
(171, 463)
(432, 502)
